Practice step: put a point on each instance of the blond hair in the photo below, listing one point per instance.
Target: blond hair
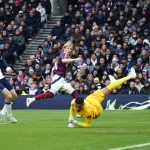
(68, 44)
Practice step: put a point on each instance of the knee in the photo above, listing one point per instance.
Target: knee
(14, 96)
(9, 97)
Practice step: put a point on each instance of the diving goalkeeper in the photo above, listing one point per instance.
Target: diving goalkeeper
(91, 108)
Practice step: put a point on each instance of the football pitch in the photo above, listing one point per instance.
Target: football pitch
(47, 130)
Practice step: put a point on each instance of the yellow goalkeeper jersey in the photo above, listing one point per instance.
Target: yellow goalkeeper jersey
(91, 109)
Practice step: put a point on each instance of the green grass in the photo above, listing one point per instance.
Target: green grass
(47, 130)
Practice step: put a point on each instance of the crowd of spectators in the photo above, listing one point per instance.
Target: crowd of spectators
(109, 36)
(19, 21)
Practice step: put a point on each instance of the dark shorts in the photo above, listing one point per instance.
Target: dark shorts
(4, 84)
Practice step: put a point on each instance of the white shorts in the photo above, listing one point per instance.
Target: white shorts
(58, 83)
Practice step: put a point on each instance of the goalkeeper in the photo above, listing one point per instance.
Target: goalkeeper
(91, 108)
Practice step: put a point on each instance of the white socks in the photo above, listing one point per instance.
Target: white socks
(6, 109)
(32, 99)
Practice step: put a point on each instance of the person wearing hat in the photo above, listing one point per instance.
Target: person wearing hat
(19, 38)
(39, 78)
(32, 73)
(115, 11)
(145, 74)
(78, 18)
(12, 57)
(146, 88)
(66, 20)
(82, 11)
(19, 18)
(16, 8)
(146, 34)
(120, 5)
(109, 29)
(8, 92)
(88, 7)
(25, 91)
(97, 83)
(114, 64)
(24, 84)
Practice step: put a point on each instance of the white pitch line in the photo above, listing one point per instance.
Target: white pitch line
(133, 146)
(121, 122)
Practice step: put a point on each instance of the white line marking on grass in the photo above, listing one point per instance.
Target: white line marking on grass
(133, 146)
(121, 122)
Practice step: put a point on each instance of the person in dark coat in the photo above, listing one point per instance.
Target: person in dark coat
(66, 36)
(132, 89)
(47, 5)
(146, 88)
(15, 46)
(50, 55)
(8, 18)
(121, 90)
(108, 56)
(32, 23)
(11, 57)
(58, 30)
(16, 8)
(66, 20)
(25, 85)
(37, 14)
(109, 70)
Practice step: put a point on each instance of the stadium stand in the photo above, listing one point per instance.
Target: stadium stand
(110, 36)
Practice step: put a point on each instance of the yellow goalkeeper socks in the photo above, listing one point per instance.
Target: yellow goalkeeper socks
(117, 83)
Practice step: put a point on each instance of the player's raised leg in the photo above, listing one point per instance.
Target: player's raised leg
(7, 105)
(115, 84)
(41, 96)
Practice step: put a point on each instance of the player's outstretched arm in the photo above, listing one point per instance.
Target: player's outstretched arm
(88, 123)
(70, 60)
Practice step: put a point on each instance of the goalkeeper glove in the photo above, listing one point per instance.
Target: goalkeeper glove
(71, 120)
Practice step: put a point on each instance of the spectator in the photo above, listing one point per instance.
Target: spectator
(114, 64)
(20, 76)
(86, 90)
(58, 31)
(121, 90)
(47, 72)
(18, 89)
(97, 83)
(47, 5)
(39, 78)
(16, 8)
(19, 18)
(132, 89)
(78, 18)
(42, 12)
(146, 88)
(33, 88)
(138, 85)
(24, 84)
(147, 69)
(8, 18)
(32, 23)
(66, 20)
(19, 39)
